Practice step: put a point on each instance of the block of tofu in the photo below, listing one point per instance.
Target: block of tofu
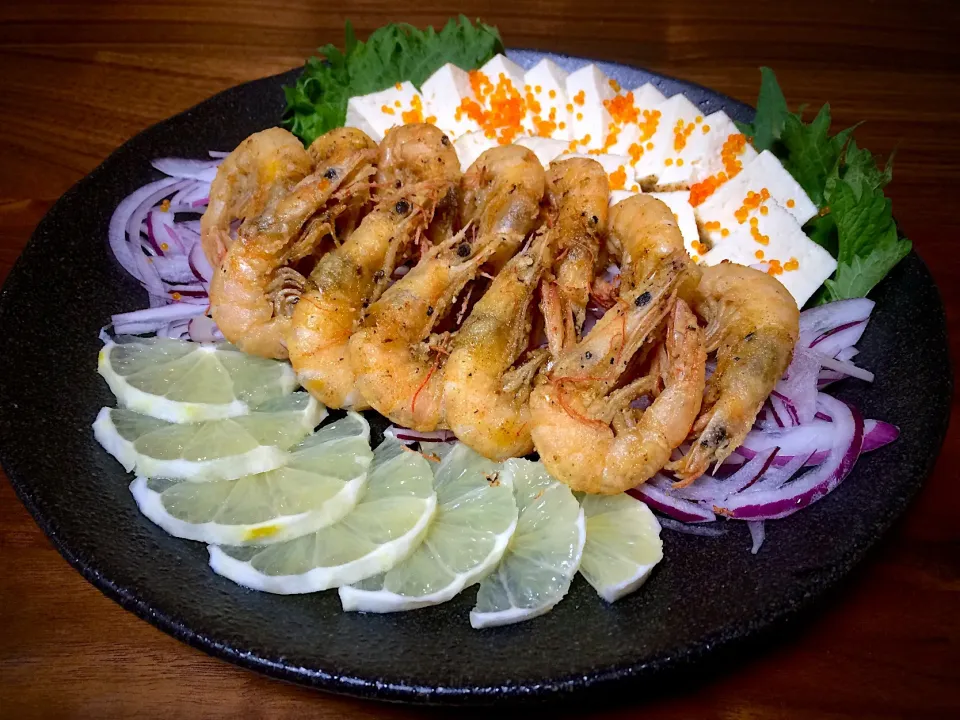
(679, 203)
(587, 89)
(776, 238)
(724, 144)
(677, 120)
(470, 146)
(502, 65)
(378, 112)
(617, 168)
(634, 134)
(546, 149)
(618, 195)
(764, 173)
(545, 87)
(442, 94)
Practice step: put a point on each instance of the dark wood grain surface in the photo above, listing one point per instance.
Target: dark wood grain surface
(77, 79)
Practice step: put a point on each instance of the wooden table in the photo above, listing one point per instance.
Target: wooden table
(79, 78)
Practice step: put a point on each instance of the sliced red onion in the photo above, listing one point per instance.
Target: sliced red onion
(220, 154)
(205, 170)
(204, 329)
(816, 483)
(153, 319)
(775, 476)
(176, 329)
(877, 433)
(173, 268)
(683, 510)
(798, 388)
(846, 367)
(800, 440)
(408, 436)
(757, 534)
(117, 230)
(700, 530)
(710, 490)
(825, 318)
(199, 264)
(845, 336)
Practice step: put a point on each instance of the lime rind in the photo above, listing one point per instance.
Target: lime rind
(476, 517)
(544, 553)
(623, 544)
(247, 444)
(322, 482)
(184, 382)
(385, 527)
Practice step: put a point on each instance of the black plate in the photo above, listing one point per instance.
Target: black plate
(706, 595)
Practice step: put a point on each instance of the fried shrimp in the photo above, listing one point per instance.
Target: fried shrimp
(249, 182)
(334, 144)
(485, 396)
(254, 290)
(397, 357)
(352, 276)
(753, 324)
(582, 425)
(502, 189)
(578, 193)
(643, 233)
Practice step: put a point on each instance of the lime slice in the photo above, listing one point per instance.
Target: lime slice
(387, 525)
(623, 544)
(319, 485)
(476, 515)
(213, 449)
(182, 381)
(543, 554)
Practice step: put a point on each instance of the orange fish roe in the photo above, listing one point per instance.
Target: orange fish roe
(679, 162)
(387, 110)
(415, 113)
(681, 131)
(651, 121)
(759, 236)
(569, 107)
(634, 151)
(572, 147)
(165, 206)
(754, 222)
(552, 94)
(398, 86)
(705, 129)
(724, 232)
(618, 178)
(432, 119)
(538, 89)
(711, 225)
(614, 85)
(552, 114)
(579, 116)
(621, 109)
(532, 105)
(649, 146)
(611, 138)
(698, 119)
(699, 247)
(164, 247)
(764, 209)
(176, 296)
(499, 108)
(730, 156)
(544, 128)
(580, 98)
(562, 125)
(758, 254)
(668, 162)
(586, 139)
(752, 201)
(634, 188)
(396, 103)
(775, 268)
(791, 203)
(791, 265)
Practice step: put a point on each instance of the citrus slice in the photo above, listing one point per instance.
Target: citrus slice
(319, 485)
(182, 381)
(476, 515)
(544, 552)
(623, 544)
(210, 450)
(387, 525)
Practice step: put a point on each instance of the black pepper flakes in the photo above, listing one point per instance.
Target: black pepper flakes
(643, 299)
(402, 207)
(464, 250)
(429, 310)
(330, 174)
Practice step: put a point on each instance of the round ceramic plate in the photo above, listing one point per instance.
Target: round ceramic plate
(708, 594)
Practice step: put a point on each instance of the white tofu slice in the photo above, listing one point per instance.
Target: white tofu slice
(546, 149)
(612, 165)
(765, 172)
(442, 94)
(502, 65)
(719, 129)
(470, 146)
(648, 96)
(661, 146)
(782, 242)
(378, 112)
(546, 82)
(618, 195)
(679, 203)
(587, 88)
